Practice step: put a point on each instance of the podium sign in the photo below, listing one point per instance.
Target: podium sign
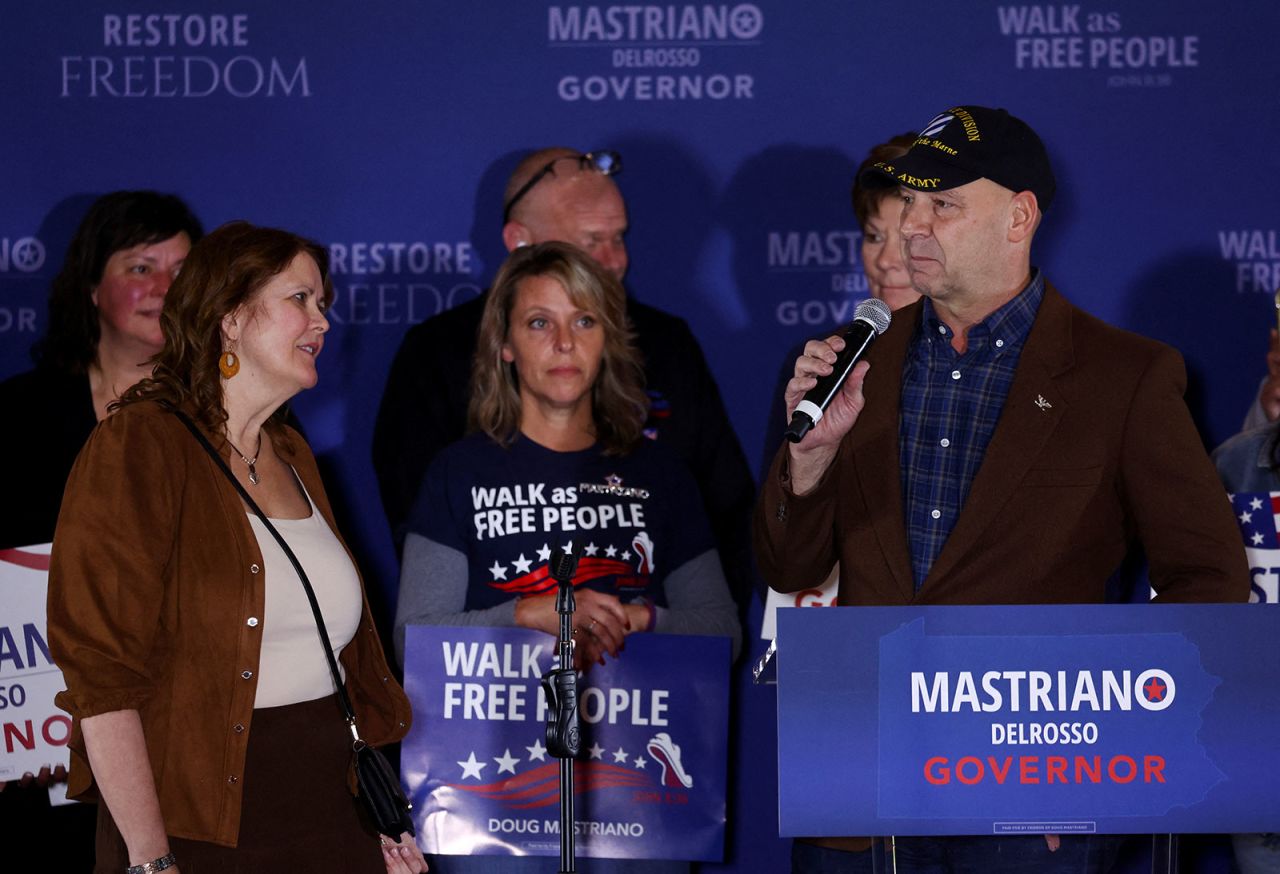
(1109, 719)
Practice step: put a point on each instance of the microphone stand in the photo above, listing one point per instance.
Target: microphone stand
(561, 686)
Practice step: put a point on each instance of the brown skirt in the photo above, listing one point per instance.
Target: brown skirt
(297, 813)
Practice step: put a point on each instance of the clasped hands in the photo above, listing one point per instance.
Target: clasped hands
(601, 623)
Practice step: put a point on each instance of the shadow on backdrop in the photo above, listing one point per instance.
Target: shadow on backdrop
(670, 210)
(486, 215)
(1189, 301)
(795, 261)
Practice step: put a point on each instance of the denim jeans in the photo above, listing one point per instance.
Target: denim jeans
(1257, 853)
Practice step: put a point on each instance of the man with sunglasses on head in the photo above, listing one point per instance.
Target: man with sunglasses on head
(568, 196)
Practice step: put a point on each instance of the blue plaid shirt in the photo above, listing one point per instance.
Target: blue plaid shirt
(950, 406)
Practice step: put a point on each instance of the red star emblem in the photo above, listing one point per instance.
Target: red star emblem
(1154, 690)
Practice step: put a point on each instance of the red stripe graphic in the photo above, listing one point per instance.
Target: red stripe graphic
(540, 580)
(34, 560)
(540, 787)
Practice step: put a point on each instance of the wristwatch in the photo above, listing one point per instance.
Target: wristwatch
(165, 861)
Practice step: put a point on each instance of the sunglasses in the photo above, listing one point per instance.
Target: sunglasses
(604, 162)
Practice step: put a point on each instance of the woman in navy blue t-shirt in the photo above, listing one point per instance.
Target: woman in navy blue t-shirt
(558, 454)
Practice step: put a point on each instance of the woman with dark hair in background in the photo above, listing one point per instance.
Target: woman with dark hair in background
(205, 718)
(104, 328)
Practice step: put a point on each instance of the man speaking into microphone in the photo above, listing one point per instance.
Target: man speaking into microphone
(996, 445)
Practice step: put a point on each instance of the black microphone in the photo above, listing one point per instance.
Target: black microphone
(563, 564)
(870, 319)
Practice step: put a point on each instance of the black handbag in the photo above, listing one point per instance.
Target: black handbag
(378, 784)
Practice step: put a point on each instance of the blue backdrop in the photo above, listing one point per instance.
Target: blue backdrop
(387, 131)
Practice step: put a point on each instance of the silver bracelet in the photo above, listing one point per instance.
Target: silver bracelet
(165, 861)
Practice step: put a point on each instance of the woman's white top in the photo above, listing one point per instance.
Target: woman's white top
(293, 667)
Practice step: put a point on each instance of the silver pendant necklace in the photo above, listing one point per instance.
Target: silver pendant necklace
(251, 462)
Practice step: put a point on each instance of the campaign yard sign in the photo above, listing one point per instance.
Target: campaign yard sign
(1114, 718)
(33, 731)
(649, 783)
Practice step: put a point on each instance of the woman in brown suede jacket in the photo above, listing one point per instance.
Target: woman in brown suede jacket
(205, 718)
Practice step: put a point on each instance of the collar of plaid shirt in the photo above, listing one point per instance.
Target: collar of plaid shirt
(950, 406)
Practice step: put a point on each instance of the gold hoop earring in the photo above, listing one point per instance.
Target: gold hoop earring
(228, 364)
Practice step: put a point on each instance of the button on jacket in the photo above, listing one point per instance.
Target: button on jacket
(155, 590)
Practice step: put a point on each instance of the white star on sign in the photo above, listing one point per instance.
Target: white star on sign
(610, 551)
(640, 760)
(471, 767)
(626, 555)
(1257, 539)
(506, 762)
(522, 564)
(591, 548)
(596, 751)
(620, 755)
(1246, 517)
(499, 572)
(1255, 504)
(544, 554)
(537, 752)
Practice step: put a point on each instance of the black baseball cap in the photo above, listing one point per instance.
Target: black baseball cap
(967, 143)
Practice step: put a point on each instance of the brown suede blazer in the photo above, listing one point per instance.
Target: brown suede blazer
(1095, 450)
(155, 574)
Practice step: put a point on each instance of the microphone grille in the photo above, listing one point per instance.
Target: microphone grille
(564, 562)
(875, 313)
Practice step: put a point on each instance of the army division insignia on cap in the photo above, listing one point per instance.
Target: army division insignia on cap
(937, 124)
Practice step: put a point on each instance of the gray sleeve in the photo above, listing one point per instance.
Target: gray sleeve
(1256, 417)
(698, 601)
(433, 591)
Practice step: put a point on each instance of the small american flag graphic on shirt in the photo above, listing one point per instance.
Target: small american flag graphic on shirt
(1257, 514)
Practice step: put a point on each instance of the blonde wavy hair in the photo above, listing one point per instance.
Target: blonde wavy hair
(619, 405)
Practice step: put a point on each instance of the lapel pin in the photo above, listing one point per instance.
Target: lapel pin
(1042, 403)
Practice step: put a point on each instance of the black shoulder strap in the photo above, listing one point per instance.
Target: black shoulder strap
(297, 566)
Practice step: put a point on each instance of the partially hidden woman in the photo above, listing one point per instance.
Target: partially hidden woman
(104, 328)
(557, 409)
(205, 720)
(878, 211)
(1250, 462)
